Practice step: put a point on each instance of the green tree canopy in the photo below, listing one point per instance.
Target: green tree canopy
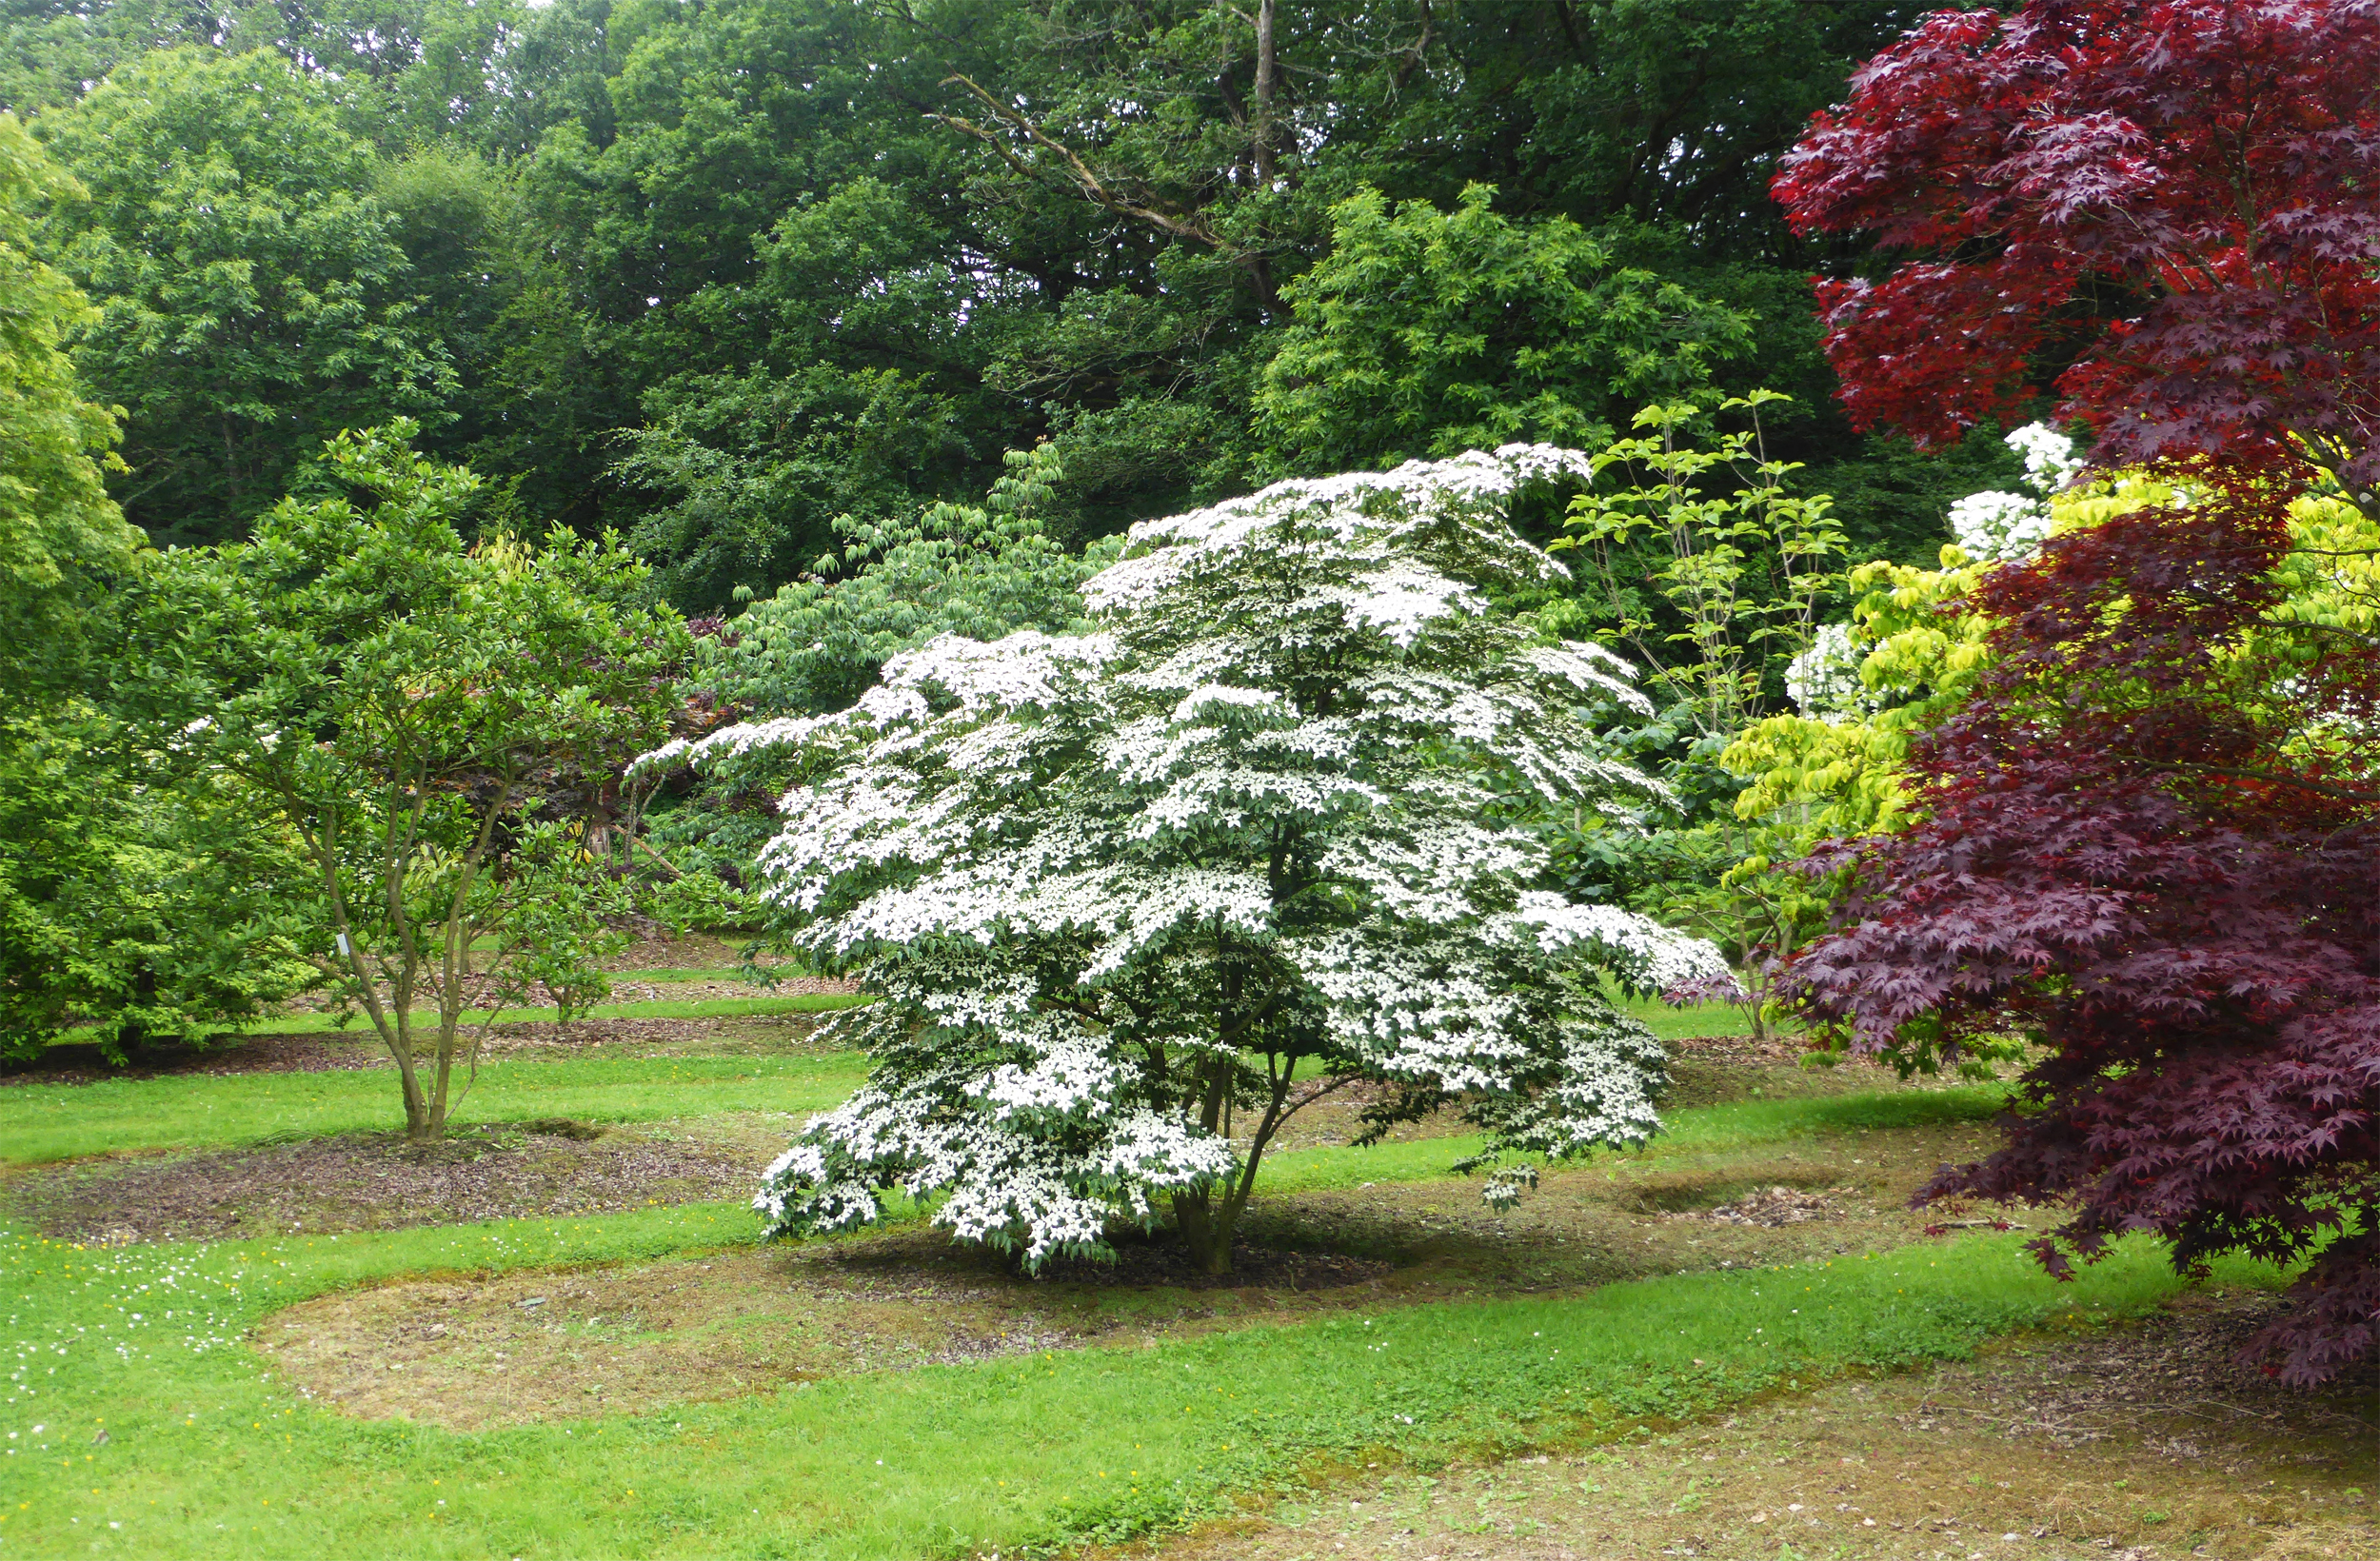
(251, 295)
(58, 527)
(400, 707)
(1428, 332)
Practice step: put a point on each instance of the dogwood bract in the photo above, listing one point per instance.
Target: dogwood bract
(1130, 897)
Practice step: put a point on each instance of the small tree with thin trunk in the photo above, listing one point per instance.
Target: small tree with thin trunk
(1131, 898)
(391, 704)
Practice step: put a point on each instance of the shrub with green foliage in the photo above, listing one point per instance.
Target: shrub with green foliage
(400, 707)
(123, 904)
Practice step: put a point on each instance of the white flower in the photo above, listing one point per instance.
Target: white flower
(1824, 681)
(1115, 888)
(2008, 527)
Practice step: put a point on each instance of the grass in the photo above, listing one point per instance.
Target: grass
(49, 1122)
(1694, 1130)
(60, 1122)
(1709, 1018)
(709, 1008)
(208, 1456)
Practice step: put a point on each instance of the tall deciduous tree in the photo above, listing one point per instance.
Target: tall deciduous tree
(1132, 897)
(251, 295)
(126, 901)
(1427, 332)
(59, 531)
(2149, 840)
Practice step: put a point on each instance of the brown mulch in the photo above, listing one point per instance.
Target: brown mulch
(1737, 1049)
(356, 1047)
(1169, 1264)
(376, 1181)
(76, 1065)
(1770, 1207)
(2174, 1384)
(624, 988)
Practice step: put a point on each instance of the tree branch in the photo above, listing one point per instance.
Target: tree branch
(1073, 169)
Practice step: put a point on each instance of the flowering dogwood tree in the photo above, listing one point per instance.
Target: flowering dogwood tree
(1131, 898)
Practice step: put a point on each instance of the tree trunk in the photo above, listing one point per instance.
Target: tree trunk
(1267, 90)
(1206, 1229)
(418, 1120)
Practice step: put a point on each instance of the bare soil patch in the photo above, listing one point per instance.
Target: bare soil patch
(526, 1347)
(379, 1181)
(518, 1347)
(627, 988)
(79, 1064)
(1772, 1207)
(696, 951)
(359, 1047)
(2144, 1443)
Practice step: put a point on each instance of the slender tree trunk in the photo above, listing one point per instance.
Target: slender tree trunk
(1206, 1229)
(1267, 90)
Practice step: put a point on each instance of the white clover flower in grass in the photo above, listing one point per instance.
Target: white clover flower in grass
(1130, 898)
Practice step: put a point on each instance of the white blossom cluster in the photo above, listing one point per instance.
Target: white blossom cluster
(2000, 528)
(1120, 890)
(1823, 680)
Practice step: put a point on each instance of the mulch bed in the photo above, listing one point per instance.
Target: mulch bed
(375, 1181)
(74, 1064)
(2175, 1380)
(1736, 1049)
(627, 988)
(1169, 1264)
(354, 1048)
(1771, 1207)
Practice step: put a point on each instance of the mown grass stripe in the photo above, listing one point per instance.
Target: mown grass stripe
(209, 1457)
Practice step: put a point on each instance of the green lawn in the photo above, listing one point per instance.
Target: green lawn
(1692, 1130)
(711, 1008)
(208, 1456)
(1709, 1018)
(59, 1122)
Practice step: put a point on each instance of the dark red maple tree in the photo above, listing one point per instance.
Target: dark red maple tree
(2153, 844)
(2178, 201)
(2151, 841)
